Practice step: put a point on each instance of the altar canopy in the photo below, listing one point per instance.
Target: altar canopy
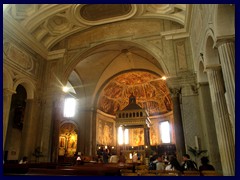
(135, 119)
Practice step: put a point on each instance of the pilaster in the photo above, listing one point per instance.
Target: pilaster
(7, 98)
(29, 130)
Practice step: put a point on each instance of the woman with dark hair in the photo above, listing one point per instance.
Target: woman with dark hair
(173, 164)
(205, 164)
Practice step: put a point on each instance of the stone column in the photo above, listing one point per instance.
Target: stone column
(222, 121)
(29, 130)
(117, 145)
(226, 51)
(7, 99)
(178, 126)
(124, 145)
(87, 131)
(57, 116)
(146, 136)
(209, 129)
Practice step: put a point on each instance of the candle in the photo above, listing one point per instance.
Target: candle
(196, 142)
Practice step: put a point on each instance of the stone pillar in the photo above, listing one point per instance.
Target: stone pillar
(29, 125)
(7, 99)
(146, 136)
(226, 51)
(178, 127)
(222, 121)
(117, 145)
(124, 145)
(57, 116)
(209, 130)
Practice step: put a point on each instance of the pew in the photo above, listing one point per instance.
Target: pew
(15, 168)
(209, 173)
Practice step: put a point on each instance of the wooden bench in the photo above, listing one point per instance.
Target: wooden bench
(15, 168)
(47, 165)
(191, 173)
(209, 173)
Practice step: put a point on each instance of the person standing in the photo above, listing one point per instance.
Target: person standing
(135, 161)
(105, 156)
(152, 166)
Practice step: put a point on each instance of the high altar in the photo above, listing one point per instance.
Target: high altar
(134, 119)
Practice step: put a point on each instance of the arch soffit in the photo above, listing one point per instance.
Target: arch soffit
(210, 54)
(68, 122)
(144, 46)
(27, 84)
(77, 83)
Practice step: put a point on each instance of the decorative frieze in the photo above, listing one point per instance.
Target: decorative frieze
(20, 59)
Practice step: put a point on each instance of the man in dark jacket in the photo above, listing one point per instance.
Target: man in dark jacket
(152, 165)
(188, 164)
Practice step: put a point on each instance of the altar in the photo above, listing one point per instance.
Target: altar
(135, 120)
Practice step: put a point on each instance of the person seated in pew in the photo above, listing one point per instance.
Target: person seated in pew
(188, 164)
(173, 164)
(113, 159)
(160, 165)
(23, 160)
(122, 158)
(205, 164)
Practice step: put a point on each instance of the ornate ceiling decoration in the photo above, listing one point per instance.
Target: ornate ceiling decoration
(150, 90)
(44, 25)
(96, 12)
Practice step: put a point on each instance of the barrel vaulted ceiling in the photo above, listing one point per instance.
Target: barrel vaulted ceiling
(44, 25)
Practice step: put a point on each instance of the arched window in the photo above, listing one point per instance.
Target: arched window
(123, 136)
(165, 132)
(69, 107)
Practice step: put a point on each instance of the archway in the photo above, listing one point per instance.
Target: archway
(151, 93)
(67, 146)
(15, 125)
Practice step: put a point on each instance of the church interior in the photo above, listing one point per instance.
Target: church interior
(79, 79)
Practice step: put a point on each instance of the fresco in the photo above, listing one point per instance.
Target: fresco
(149, 89)
(105, 133)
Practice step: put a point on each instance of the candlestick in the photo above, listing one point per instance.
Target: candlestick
(196, 142)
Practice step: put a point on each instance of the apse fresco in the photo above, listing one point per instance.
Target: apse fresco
(150, 90)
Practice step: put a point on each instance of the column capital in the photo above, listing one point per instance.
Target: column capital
(224, 40)
(213, 67)
(57, 54)
(7, 91)
(175, 91)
